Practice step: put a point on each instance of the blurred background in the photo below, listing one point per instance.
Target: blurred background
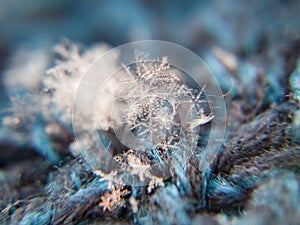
(246, 28)
(242, 26)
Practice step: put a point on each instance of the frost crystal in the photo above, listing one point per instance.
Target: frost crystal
(62, 80)
(160, 110)
(157, 113)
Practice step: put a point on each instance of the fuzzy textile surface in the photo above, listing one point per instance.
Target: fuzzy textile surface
(254, 178)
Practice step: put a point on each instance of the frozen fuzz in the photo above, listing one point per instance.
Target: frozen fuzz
(158, 106)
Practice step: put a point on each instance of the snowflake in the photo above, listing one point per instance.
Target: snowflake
(111, 200)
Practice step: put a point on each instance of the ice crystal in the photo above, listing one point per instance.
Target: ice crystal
(159, 108)
(112, 200)
(132, 168)
(157, 116)
(63, 79)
